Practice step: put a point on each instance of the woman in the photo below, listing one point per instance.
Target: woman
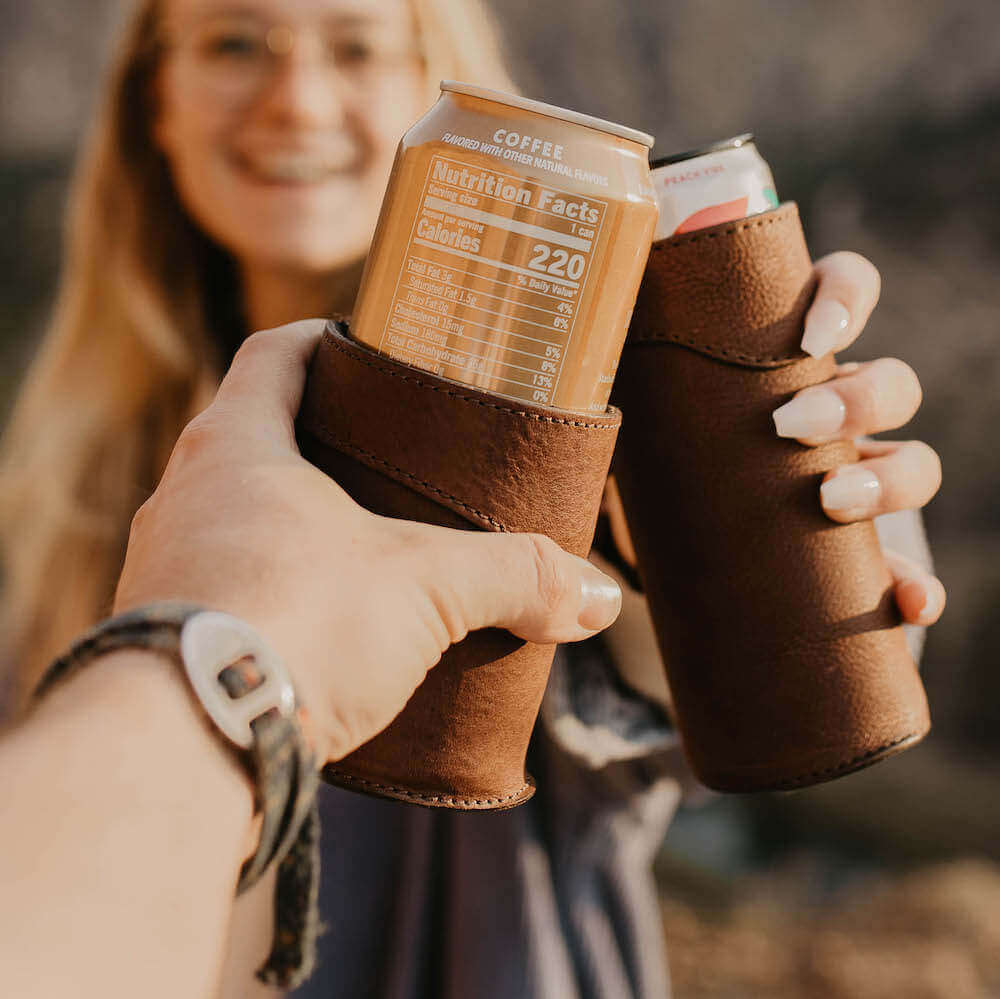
(232, 183)
(171, 181)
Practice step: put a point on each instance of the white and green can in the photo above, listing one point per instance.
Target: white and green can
(721, 182)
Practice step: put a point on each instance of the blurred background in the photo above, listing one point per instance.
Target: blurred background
(883, 121)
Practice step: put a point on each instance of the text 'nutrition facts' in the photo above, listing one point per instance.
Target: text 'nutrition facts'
(492, 279)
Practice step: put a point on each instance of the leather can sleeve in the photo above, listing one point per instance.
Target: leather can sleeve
(407, 444)
(786, 661)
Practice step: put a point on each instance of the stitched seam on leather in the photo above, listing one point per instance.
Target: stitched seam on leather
(420, 796)
(718, 351)
(371, 457)
(537, 417)
(860, 758)
(846, 764)
(675, 243)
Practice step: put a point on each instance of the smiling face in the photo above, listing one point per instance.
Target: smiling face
(280, 119)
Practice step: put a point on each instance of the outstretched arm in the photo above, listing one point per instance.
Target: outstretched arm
(125, 818)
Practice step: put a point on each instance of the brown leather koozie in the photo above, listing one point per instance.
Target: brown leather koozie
(410, 445)
(778, 627)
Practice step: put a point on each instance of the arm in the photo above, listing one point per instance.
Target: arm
(127, 890)
(129, 885)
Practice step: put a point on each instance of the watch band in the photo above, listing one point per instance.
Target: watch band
(243, 688)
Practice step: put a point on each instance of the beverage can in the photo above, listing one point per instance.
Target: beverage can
(721, 182)
(509, 249)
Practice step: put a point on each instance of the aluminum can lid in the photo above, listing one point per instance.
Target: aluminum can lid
(713, 147)
(539, 107)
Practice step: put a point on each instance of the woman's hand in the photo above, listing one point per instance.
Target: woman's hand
(862, 399)
(865, 399)
(359, 607)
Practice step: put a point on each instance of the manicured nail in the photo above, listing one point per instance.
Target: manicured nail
(600, 599)
(814, 412)
(933, 605)
(852, 493)
(825, 323)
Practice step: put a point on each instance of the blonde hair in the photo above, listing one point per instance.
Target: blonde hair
(148, 310)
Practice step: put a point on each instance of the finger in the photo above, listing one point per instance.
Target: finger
(263, 387)
(875, 396)
(612, 506)
(902, 475)
(849, 287)
(920, 595)
(869, 448)
(522, 582)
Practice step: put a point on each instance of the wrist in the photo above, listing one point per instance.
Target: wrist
(227, 723)
(238, 682)
(167, 751)
(312, 730)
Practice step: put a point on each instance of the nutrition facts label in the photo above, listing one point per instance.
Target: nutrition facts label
(492, 279)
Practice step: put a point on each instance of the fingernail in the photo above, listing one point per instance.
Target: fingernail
(825, 322)
(933, 605)
(852, 492)
(814, 412)
(600, 599)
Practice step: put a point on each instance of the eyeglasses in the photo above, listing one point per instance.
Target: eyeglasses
(236, 55)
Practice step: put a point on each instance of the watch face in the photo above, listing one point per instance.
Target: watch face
(211, 642)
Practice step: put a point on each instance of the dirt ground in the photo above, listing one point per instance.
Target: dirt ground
(930, 934)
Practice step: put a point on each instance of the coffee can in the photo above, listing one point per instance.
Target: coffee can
(509, 249)
(721, 182)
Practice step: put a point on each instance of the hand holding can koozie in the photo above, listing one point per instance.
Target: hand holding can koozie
(471, 392)
(410, 445)
(785, 658)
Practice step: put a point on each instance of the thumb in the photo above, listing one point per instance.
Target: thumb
(264, 384)
(525, 583)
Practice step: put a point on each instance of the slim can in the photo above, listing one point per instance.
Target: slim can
(510, 246)
(720, 182)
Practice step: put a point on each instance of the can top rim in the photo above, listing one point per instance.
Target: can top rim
(551, 110)
(713, 147)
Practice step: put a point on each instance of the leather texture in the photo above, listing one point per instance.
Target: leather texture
(784, 655)
(407, 444)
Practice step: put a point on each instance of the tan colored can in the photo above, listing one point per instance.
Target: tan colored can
(510, 247)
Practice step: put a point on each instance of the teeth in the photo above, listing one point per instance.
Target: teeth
(292, 168)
